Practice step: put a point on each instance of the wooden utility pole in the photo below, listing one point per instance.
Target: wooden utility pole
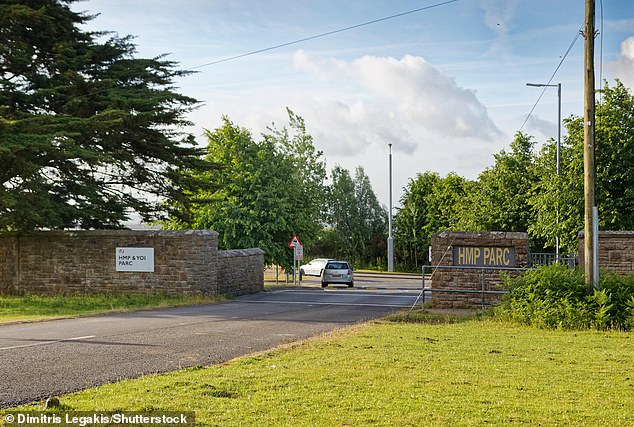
(589, 170)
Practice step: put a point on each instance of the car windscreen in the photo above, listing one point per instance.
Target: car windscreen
(337, 266)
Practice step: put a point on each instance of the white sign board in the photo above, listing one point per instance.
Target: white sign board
(135, 259)
(299, 252)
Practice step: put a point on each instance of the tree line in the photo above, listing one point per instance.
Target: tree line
(269, 188)
(521, 191)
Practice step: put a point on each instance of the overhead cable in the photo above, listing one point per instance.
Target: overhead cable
(328, 33)
(563, 58)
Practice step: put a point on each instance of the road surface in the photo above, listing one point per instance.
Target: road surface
(43, 359)
(371, 281)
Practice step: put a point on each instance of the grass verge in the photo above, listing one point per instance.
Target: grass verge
(33, 307)
(461, 373)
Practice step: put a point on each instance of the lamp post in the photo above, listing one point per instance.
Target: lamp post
(558, 86)
(390, 239)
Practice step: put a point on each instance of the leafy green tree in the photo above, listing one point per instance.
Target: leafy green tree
(614, 156)
(558, 198)
(614, 178)
(342, 215)
(410, 239)
(499, 201)
(266, 190)
(443, 203)
(88, 132)
(429, 205)
(357, 223)
(374, 220)
(305, 182)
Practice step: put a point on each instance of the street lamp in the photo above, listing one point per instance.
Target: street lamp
(390, 239)
(558, 86)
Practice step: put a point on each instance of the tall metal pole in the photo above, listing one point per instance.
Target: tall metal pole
(558, 168)
(558, 86)
(589, 171)
(390, 239)
(559, 129)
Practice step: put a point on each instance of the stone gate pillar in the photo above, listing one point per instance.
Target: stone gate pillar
(465, 252)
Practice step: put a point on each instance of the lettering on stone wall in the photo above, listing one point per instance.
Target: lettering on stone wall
(484, 256)
(135, 259)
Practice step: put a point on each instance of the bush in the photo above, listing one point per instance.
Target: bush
(555, 297)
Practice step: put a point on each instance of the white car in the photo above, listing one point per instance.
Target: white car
(337, 272)
(313, 268)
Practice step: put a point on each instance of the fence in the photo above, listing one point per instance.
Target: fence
(548, 258)
(483, 291)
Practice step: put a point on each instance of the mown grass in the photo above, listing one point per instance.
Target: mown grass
(33, 307)
(460, 373)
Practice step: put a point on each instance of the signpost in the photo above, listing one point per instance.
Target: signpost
(298, 255)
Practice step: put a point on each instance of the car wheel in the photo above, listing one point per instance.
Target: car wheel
(324, 284)
(350, 284)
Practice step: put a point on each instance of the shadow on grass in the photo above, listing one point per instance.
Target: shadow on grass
(437, 317)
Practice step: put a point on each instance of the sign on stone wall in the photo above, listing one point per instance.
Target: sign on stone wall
(135, 259)
(483, 256)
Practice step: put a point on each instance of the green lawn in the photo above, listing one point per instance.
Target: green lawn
(32, 307)
(475, 372)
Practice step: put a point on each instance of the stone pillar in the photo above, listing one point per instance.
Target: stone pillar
(470, 250)
(616, 251)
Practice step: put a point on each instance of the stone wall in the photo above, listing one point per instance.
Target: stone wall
(475, 250)
(84, 262)
(8, 265)
(241, 271)
(616, 251)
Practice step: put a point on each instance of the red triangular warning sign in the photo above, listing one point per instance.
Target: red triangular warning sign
(294, 241)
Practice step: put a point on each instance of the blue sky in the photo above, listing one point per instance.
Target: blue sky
(446, 86)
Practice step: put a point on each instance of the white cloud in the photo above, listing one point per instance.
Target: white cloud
(409, 93)
(498, 14)
(351, 128)
(623, 67)
(547, 129)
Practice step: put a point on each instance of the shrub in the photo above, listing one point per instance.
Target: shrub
(556, 297)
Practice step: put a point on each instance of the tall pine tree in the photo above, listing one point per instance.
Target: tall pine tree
(88, 132)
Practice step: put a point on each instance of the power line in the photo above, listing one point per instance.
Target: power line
(296, 41)
(328, 33)
(563, 58)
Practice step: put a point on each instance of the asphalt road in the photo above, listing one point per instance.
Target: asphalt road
(373, 281)
(43, 359)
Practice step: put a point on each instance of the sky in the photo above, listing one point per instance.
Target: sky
(446, 85)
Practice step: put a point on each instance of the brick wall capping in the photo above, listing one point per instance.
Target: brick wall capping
(110, 233)
(608, 234)
(240, 252)
(505, 235)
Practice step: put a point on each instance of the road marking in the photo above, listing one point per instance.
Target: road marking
(354, 304)
(47, 342)
(348, 293)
